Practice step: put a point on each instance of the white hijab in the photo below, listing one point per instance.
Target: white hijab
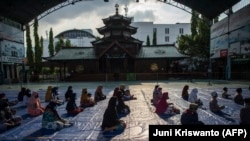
(193, 95)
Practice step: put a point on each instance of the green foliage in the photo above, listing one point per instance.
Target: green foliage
(148, 41)
(29, 51)
(68, 43)
(51, 43)
(154, 42)
(41, 49)
(37, 45)
(59, 44)
(198, 44)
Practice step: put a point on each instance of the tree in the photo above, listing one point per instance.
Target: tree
(199, 42)
(37, 45)
(51, 43)
(194, 23)
(154, 42)
(148, 41)
(29, 51)
(41, 49)
(59, 44)
(67, 43)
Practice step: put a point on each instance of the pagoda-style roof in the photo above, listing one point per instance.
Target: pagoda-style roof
(129, 28)
(111, 45)
(87, 53)
(117, 17)
(108, 40)
(160, 52)
(73, 53)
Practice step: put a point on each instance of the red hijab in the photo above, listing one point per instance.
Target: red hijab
(185, 90)
(162, 104)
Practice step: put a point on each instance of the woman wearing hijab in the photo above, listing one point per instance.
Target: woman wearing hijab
(99, 94)
(71, 106)
(190, 116)
(193, 98)
(122, 108)
(157, 96)
(213, 103)
(21, 94)
(86, 100)
(238, 98)
(68, 93)
(51, 118)
(8, 117)
(185, 93)
(34, 105)
(110, 120)
(163, 107)
(245, 113)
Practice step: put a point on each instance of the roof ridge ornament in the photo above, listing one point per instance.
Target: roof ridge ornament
(126, 10)
(116, 9)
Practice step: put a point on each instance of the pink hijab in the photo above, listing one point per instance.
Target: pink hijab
(162, 104)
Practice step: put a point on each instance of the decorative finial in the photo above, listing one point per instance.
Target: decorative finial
(116, 8)
(126, 10)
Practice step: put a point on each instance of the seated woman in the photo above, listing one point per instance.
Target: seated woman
(21, 94)
(245, 113)
(213, 103)
(10, 103)
(163, 107)
(121, 107)
(71, 106)
(110, 120)
(68, 93)
(8, 117)
(225, 94)
(185, 93)
(128, 96)
(99, 94)
(54, 97)
(193, 98)
(26, 97)
(86, 100)
(190, 116)
(238, 98)
(34, 105)
(157, 95)
(51, 118)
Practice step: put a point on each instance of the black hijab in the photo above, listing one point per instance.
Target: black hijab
(110, 117)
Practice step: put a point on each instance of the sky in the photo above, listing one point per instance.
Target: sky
(89, 15)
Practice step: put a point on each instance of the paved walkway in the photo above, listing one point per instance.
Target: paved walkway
(87, 124)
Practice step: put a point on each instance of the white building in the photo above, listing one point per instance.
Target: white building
(12, 51)
(166, 33)
(77, 37)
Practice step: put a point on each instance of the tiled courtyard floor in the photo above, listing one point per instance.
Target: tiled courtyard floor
(87, 124)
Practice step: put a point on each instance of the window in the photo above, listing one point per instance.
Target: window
(181, 30)
(13, 53)
(166, 30)
(167, 38)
